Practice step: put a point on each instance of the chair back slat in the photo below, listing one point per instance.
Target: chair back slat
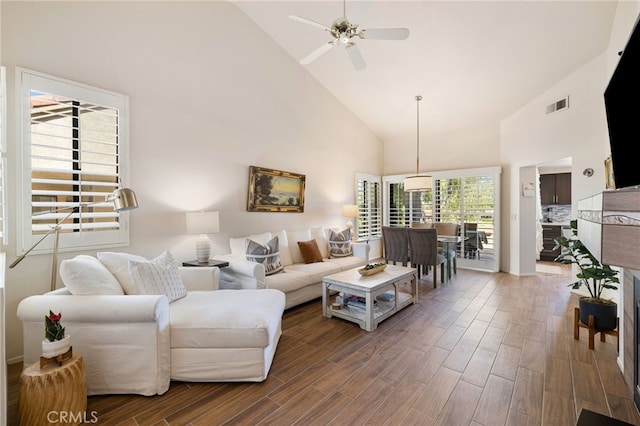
(396, 244)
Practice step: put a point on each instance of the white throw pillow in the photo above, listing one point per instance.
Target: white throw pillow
(320, 235)
(84, 275)
(118, 264)
(158, 276)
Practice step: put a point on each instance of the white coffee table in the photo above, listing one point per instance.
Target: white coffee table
(384, 294)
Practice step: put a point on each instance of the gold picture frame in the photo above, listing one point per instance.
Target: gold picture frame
(275, 191)
(608, 174)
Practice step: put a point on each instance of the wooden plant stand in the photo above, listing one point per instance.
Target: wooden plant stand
(592, 329)
(55, 394)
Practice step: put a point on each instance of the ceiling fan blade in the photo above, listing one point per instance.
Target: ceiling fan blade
(385, 34)
(309, 22)
(356, 57)
(316, 53)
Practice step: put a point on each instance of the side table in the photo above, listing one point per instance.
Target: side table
(211, 262)
(53, 394)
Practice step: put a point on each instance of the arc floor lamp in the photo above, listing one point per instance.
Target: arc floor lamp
(122, 199)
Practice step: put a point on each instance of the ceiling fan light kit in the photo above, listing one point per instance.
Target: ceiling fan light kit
(343, 32)
(417, 183)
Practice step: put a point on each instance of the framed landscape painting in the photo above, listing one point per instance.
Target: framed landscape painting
(275, 191)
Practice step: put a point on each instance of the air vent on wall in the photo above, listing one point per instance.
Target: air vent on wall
(558, 105)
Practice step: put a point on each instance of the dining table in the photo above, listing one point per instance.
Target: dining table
(449, 245)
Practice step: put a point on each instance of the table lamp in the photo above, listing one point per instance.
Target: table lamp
(350, 211)
(203, 223)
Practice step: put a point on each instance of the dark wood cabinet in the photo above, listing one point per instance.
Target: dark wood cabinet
(555, 188)
(549, 232)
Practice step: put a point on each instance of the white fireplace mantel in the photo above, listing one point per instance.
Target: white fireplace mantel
(609, 226)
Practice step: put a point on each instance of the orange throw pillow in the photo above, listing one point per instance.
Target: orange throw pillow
(310, 251)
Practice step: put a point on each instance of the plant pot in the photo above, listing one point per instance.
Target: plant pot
(55, 348)
(604, 311)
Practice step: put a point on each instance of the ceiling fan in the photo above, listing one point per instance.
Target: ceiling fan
(343, 32)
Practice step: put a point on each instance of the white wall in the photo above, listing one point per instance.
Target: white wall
(210, 95)
(530, 137)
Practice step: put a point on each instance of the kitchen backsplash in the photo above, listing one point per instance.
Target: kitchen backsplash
(556, 213)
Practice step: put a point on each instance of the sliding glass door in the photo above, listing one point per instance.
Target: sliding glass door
(468, 198)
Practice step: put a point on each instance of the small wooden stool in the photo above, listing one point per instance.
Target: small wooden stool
(55, 394)
(592, 329)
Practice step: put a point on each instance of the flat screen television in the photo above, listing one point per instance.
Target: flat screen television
(622, 104)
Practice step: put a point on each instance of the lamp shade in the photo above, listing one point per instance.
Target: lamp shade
(417, 183)
(123, 199)
(350, 210)
(203, 222)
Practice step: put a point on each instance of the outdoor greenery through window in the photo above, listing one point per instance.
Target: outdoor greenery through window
(467, 198)
(73, 144)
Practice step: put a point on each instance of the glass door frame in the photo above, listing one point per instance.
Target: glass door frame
(491, 265)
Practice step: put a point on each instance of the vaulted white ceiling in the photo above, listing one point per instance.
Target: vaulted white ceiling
(474, 62)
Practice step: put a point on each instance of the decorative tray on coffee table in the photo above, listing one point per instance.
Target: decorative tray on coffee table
(372, 269)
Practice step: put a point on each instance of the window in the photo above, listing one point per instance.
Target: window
(368, 199)
(407, 207)
(74, 141)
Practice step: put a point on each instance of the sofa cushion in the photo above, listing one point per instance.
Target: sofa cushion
(238, 245)
(226, 318)
(158, 276)
(347, 262)
(340, 243)
(268, 254)
(310, 251)
(289, 280)
(85, 275)
(118, 264)
(320, 235)
(314, 272)
(285, 253)
(293, 237)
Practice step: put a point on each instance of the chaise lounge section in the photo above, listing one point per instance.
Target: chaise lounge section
(138, 343)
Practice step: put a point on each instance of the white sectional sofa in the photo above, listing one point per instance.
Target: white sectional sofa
(300, 281)
(137, 343)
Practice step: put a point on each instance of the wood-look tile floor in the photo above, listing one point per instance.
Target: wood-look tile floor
(486, 349)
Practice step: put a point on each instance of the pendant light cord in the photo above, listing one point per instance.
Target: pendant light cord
(418, 99)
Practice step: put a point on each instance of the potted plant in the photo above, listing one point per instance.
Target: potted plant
(594, 276)
(55, 342)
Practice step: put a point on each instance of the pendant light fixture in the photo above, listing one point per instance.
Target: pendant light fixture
(417, 183)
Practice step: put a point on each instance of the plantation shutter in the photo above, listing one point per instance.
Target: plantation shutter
(73, 139)
(406, 208)
(74, 159)
(368, 196)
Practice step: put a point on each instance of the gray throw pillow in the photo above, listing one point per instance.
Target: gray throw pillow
(340, 243)
(268, 255)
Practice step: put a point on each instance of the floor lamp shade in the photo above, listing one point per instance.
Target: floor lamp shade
(203, 223)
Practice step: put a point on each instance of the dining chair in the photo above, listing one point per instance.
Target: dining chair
(445, 228)
(396, 244)
(422, 225)
(423, 249)
(472, 242)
